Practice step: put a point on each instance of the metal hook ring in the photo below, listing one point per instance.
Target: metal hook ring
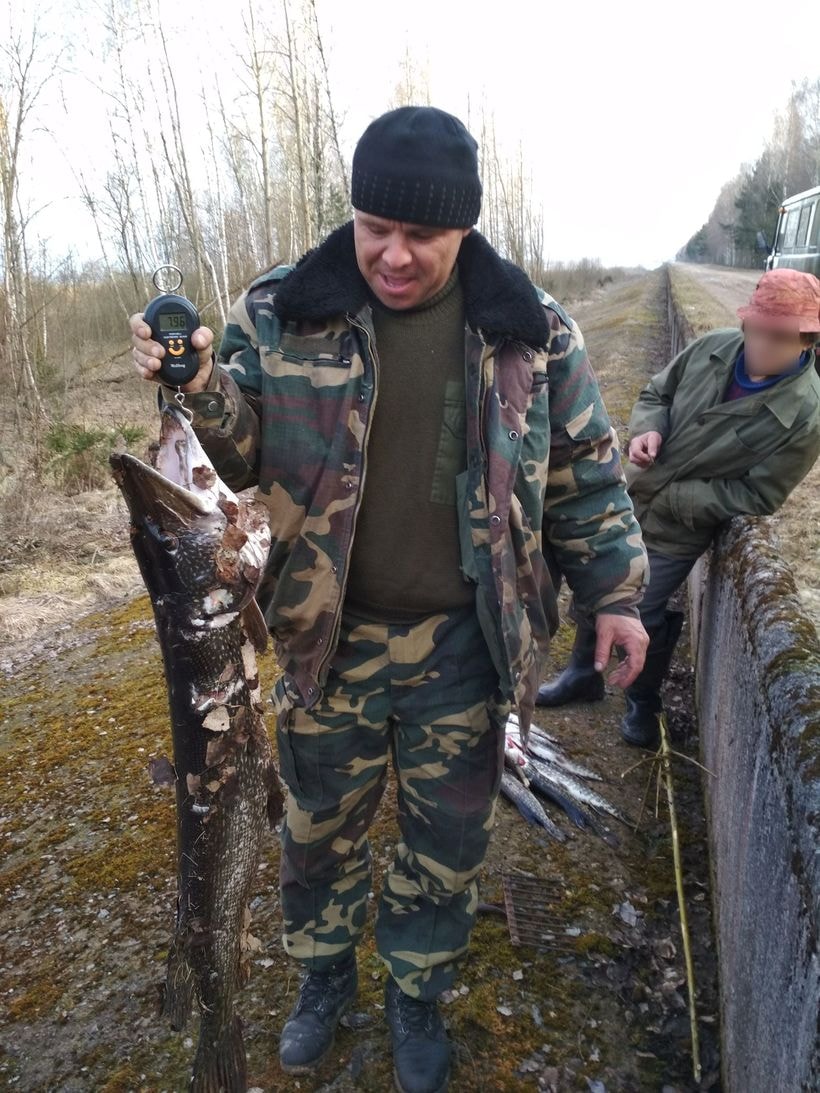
(164, 288)
(179, 398)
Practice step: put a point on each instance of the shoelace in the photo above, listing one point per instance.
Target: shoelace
(415, 1015)
(318, 992)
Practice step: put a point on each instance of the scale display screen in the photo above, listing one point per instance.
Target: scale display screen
(173, 322)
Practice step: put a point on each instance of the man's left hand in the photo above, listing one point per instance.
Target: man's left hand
(621, 633)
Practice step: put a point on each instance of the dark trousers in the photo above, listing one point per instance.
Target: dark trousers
(666, 574)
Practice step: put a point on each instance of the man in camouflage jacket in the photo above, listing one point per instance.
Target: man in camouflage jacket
(426, 431)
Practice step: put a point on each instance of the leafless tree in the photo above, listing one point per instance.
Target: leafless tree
(22, 78)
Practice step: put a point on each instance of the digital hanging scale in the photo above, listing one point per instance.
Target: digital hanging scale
(173, 319)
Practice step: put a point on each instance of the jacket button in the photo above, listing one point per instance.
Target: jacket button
(334, 569)
(528, 355)
(213, 406)
(495, 519)
(513, 434)
(320, 641)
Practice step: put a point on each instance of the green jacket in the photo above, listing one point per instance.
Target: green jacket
(289, 410)
(719, 459)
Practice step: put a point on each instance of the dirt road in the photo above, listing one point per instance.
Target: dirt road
(730, 287)
(86, 876)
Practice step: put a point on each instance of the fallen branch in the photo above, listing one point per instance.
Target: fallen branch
(661, 766)
(666, 768)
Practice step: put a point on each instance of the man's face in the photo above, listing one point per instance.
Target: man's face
(770, 352)
(404, 264)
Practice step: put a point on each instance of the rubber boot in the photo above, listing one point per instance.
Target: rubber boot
(579, 682)
(643, 698)
(421, 1048)
(309, 1031)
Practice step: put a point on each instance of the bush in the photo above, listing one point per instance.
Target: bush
(78, 456)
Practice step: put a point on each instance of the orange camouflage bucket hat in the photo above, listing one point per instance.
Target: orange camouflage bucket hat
(785, 299)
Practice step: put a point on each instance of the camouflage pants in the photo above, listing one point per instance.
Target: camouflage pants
(425, 695)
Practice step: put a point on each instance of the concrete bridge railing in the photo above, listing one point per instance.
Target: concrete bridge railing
(757, 661)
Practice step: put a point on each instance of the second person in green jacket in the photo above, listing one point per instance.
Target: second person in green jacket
(728, 428)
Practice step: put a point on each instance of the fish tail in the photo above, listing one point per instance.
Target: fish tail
(177, 992)
(220, 1065)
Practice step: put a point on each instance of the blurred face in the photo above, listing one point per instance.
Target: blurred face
(770, 352)
(404, 264)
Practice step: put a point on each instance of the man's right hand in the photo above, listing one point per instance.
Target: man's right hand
(643, 449)
(148, 354)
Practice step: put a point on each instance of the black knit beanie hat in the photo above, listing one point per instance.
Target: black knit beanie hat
(419, 165)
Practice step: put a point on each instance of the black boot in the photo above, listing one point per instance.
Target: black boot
(421, 1049)
(579, 682)
(643, 699)
(323, 998)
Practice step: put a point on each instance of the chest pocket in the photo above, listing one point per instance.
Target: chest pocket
(451, 456)
(313, 348)
(752, 438)
(314, 359)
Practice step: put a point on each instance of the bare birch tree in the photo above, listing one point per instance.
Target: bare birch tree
(22, 78)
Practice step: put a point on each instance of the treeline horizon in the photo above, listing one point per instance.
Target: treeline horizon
(749, 202)
(276, 184)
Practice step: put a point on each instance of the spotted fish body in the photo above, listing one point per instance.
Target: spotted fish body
(528, 805)
(201, 551)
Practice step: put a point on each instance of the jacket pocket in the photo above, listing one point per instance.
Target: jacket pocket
(757, 446)
(468, 562)
(452, 446)
(306, 349)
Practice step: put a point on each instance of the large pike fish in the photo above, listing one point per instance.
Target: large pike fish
(201, 551)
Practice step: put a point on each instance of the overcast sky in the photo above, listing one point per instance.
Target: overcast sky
(632, 115)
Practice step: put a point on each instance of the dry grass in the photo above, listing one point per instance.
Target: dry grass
(703, 310)
(65, 550)
(53, 598)
(625, 334)
(569, 282)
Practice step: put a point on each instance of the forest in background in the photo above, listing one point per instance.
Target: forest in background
(749, 202)
(257, 180)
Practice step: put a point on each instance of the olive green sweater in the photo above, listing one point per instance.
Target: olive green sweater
(406, 559)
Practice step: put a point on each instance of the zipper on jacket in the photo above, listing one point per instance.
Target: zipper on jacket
(343, 587)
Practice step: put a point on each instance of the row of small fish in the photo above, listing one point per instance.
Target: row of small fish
(539, 771)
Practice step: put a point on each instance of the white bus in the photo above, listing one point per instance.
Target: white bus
(797, 236)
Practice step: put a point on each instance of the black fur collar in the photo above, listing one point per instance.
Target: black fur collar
(499, 299)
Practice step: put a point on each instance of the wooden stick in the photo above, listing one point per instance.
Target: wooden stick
(666, 766)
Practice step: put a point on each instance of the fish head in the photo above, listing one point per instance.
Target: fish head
(201, 548)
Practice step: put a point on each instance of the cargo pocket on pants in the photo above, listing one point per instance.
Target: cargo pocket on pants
(298, 762)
